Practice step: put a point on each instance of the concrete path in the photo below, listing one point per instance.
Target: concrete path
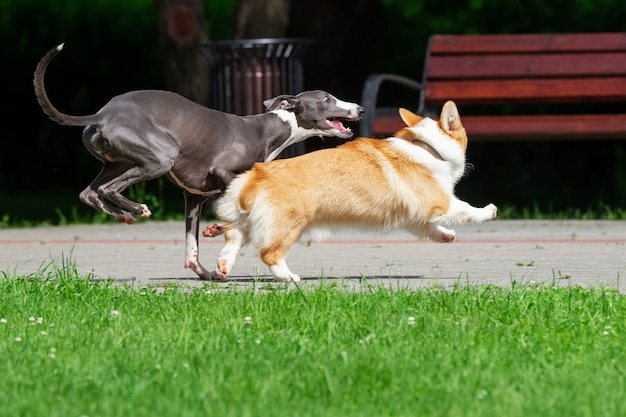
(588, 253)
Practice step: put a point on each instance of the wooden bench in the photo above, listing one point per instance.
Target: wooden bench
(516, 87)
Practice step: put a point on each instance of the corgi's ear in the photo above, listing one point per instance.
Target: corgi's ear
(410, 118)
(450, 120)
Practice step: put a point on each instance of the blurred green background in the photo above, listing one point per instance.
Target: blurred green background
(112, 47)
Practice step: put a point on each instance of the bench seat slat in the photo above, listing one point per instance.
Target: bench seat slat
(539, 43)
(502, 128)
(511, 66)
(526, 90)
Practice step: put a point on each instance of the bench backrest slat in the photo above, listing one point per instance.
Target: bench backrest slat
(493, 69)
(527, 91)
(526, 43)
(536, 66)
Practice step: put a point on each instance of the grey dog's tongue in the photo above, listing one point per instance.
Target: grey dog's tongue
(338, 125)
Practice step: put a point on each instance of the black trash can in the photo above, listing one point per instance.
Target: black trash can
(246, 72)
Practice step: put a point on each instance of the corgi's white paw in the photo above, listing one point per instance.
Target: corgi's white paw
(213, 230)
(222, 269)
(291, 278)
(282, 273)
(491, 211)
(443, 235)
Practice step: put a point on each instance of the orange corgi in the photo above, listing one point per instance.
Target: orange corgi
(402, 182)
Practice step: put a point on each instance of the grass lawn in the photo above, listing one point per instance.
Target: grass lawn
(72, 346)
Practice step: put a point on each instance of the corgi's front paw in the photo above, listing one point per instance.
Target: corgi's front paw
(491, 211)
(213, 230)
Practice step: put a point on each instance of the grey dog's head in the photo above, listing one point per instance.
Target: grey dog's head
(319, 110)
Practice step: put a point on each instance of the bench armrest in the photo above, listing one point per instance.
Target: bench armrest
(369, 97)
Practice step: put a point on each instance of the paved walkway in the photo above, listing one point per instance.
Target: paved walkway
(497, 252)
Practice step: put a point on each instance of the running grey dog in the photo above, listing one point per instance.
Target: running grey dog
(142, 135)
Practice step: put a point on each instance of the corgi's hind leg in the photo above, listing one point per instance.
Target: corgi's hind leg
(282, 273)
(440, 234)
(274, 255)
(235, 239)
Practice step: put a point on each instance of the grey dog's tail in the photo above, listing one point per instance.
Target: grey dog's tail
(44, 101)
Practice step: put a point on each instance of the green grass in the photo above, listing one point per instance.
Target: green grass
(73, 346)
(598, 211)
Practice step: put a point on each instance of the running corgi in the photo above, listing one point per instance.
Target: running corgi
(402, 182)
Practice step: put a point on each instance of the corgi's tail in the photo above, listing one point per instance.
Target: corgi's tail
(234, 205)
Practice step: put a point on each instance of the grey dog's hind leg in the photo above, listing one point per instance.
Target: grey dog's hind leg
(112, 180)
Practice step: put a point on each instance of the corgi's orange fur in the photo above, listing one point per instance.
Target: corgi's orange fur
(403, 182)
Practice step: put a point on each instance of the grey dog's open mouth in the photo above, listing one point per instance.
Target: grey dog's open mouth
(335, 123)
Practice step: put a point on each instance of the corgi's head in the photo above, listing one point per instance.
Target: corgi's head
(449, 123)
(445, 139)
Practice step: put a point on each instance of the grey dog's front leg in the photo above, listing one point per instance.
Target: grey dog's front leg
(193, 209)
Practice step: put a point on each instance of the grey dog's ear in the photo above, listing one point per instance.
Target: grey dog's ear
(283, 102)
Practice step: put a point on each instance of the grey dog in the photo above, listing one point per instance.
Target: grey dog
(142, 135)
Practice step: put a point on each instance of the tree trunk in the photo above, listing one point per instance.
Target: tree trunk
(182, 27)
(261, 18)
